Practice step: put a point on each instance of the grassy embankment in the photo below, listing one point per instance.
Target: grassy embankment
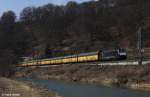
(13, 88)
(135, 77)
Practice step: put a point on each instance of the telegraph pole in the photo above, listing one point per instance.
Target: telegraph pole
(139, 46)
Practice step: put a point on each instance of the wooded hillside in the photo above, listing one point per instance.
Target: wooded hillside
(88, 26)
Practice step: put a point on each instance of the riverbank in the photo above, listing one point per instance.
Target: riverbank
(14, 88)
(134, 77)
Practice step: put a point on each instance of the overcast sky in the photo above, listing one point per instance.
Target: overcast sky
(18, 5)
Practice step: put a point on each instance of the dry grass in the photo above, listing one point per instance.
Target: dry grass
(79, 72)
(107, 75)
(20, 89)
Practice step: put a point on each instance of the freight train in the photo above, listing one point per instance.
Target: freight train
(107, 55)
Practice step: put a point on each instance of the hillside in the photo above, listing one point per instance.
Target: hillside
(72, 28)
(88, 26)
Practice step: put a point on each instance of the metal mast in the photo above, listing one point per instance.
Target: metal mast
(139, 46)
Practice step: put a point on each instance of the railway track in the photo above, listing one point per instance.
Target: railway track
(112, 63)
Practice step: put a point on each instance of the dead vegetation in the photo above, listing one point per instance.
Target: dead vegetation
(19, 89)
(79, 73)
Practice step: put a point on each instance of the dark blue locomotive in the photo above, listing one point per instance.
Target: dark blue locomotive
(118, 54)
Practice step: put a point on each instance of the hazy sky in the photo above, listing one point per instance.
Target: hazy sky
(18, 5)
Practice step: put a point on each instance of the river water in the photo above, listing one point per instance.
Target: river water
(79, 90)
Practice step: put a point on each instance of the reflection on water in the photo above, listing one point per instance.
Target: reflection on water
(78, 90)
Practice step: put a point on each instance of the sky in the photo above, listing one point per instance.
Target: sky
(18, 5)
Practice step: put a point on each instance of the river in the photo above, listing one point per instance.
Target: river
(79, 90)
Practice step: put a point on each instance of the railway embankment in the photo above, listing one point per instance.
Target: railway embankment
(134, 77)
(14, 88)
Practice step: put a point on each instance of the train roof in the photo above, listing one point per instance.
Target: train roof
(90, 53)
(74, 55)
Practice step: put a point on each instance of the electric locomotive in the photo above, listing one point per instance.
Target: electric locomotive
(119, 54)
